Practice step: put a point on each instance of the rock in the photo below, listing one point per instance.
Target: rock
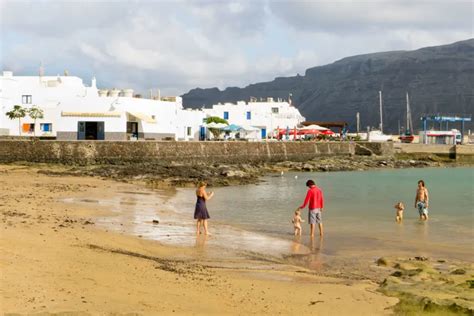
(155, 221)
(397, 274)
(382, 261)
(233, 173)
(307, 167)
(413, 272)
(458, 271)
(421, 258)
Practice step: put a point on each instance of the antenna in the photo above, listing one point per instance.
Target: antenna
(41, 71)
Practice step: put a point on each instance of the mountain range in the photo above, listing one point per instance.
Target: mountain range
(438, 79)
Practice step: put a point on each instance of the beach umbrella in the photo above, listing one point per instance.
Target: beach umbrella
(232, 128)
(211, 125)
(220, 125)
(314, 127)
(310, 132)
(327, 132)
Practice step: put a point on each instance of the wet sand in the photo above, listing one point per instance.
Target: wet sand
(55, 258)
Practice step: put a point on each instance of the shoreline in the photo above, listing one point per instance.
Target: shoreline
(195, 264)
(176, 175)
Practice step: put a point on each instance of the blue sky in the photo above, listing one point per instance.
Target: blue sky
(175, 46)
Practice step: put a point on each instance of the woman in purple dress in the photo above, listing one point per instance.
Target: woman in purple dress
(200, 212)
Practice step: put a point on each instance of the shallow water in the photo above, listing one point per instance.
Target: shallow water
(359, 217)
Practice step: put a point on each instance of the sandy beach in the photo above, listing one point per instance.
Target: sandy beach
(55, 259)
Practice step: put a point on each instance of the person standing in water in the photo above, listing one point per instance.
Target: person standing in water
(422, 200)
(315, 201)
(201, 215)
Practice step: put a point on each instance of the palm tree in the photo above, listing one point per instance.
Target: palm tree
(35, 113)
(18, 112)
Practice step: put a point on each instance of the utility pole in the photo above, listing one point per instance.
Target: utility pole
(358, 122)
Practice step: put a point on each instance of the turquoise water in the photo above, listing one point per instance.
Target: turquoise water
(359, 216)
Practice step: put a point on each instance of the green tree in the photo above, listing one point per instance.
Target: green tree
(18, 112)
(35, 113)
(218, 120)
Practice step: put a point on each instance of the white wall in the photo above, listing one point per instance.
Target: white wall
(261, 114)
(55, 95)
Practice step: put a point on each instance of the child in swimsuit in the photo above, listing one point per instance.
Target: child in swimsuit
(297, 222)
(399, 215)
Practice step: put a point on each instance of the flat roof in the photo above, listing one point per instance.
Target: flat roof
(446, 118)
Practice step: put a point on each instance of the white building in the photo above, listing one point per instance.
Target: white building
(267, 115)
(73, 111)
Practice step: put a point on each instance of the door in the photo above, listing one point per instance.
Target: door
(202, 133)
(132, 129)
(264, 133)
(81, 130)
(100, 131)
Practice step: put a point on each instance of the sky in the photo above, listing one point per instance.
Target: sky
(175, 46)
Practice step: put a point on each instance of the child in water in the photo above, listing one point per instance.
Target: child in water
(399, 207)
(297, 222)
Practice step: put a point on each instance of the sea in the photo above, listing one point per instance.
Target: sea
(359, 214)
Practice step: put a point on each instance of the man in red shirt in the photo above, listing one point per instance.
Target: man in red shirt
(314, 199)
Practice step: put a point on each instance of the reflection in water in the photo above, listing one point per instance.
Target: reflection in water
(422, 228)
(201, 242)
(127, 200)
(315, 258)
(296, 245)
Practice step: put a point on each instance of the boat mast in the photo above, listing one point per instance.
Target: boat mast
(381, 121)
(408, 111)
(409, 122)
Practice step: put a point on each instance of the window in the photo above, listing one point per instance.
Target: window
(249, 115)
(28, 128)
(275, 110)
(226, 115)
(46, 127)
(26, 99)
(189, 130)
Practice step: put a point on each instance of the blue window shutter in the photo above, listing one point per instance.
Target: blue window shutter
(226, 115)
(249, 115)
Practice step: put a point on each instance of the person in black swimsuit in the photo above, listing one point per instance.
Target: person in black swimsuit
(200, 212)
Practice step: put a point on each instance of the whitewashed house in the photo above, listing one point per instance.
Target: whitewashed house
(73, 111)
(267, 115)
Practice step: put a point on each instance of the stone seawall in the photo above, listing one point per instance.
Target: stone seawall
(461, 153)
(465, 153)
(122, 152)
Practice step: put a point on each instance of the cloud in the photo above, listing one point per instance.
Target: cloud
(177, 46)
(359, 16)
